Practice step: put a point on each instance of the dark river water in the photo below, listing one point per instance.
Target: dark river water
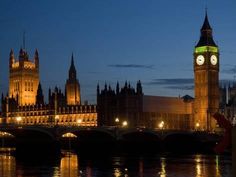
(73, 165)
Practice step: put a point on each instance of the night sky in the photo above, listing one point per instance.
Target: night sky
(117, 40)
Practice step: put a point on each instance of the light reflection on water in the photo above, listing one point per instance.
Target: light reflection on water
(71, 165)
(163, 167)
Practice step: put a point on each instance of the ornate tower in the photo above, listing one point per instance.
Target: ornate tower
(23, 77)
(72, 86)
(206, 79)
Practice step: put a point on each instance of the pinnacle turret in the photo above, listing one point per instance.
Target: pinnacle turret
(72, 71)
(39, 96)
(36, 58)
(11, 58)
(206, 38)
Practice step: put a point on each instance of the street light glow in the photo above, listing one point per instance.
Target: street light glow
(117, 120)
(161, 124)
(125, 123)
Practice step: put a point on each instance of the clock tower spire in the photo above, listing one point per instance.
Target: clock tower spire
(206, 79)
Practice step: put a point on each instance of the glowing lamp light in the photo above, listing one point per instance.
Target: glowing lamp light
(125, 124)
(117, 120)
(161, 124)
(197, 124)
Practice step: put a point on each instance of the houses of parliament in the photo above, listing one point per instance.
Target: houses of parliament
(25, 103)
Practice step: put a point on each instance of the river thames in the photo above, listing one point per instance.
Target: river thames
(159, 165)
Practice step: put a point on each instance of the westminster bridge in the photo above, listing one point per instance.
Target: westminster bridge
(43, 138)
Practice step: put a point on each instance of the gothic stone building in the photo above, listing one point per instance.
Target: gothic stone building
(124, 104)
(25, 102)
(228, 102)
(206, 79)
(139, 110)
(180, 113)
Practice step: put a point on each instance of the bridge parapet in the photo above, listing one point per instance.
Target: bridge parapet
(55, 132)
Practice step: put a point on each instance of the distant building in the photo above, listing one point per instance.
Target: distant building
(25, 102)
(139, 110)
(228, 101)
(175, 112)
(123, 104)
(72, 86)
(23, 77)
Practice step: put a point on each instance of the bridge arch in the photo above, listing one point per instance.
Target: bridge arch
(4, 134)
(140, 134)
(180, 141)
(29, 132)
(139, 141)
(87, 134)
(37, 132)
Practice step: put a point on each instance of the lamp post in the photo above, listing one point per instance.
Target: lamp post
(197, 126)
(56, 119)
(161, 125)
(117, 120)
(124, 123)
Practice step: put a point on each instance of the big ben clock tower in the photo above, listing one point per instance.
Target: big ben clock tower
(206, 79)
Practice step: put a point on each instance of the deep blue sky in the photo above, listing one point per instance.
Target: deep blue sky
(150, 40)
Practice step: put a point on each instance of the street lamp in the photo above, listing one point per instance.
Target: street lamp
(117, 120)
(161, 125)
(124, 123)
(197, 126)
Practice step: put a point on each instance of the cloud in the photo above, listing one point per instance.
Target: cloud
(132, 66)
(181, 87)
(174, 81)
(231, 70)
(182, 83)
(174, 84)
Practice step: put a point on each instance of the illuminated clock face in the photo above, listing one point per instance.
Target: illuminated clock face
(213, 60)
(200, 59)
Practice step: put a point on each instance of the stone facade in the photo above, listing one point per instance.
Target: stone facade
(25, 103)
(140, 110)
(23, 77)
(206, 79)
(72, 86)
(176, 113)
(124, 104)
